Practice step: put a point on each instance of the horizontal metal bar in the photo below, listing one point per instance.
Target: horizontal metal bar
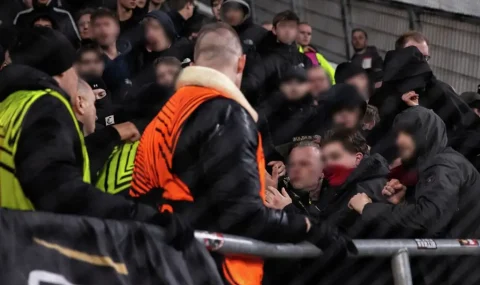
(229, 244)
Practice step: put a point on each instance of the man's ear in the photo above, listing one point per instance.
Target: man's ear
(79, 105)
(242, 61)
(358, 158)
(274, 30)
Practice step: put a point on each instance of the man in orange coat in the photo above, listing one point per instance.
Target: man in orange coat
(201, 158)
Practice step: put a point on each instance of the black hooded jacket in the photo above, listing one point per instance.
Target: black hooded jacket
(274, 58)
(446, 198)
(49, 160)
(282, 122)
(62, 18)
(447, 191)
(406, 70)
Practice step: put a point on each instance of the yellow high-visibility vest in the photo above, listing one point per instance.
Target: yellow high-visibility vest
(12, 113)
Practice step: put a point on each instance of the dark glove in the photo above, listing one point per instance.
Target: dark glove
(331, 240)
(178, 233)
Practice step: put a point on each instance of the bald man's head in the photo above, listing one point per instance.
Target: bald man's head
(219, 47)
(84, 106)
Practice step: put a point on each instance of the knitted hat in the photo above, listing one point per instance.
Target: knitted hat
(44, 49)
(347, 70)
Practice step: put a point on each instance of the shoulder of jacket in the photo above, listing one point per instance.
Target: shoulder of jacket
(26, 11)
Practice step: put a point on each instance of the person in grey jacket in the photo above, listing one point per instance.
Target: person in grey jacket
(446, 194)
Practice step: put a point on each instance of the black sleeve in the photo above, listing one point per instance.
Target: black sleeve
(49, 168)
(100, 146)
(228, 158)
(254, 80)
(436, 201)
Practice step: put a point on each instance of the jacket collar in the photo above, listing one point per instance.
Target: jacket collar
(210, 78)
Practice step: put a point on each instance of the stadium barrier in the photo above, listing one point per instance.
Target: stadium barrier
(398, 249)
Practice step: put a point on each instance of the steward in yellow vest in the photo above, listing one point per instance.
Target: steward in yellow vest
(43, 159)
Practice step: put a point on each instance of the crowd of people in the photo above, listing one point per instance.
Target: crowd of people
(148, 110)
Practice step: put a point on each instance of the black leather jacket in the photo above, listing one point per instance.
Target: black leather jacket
(216, 158)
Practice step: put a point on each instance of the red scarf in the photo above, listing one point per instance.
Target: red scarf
(336, 175)
(405, 176)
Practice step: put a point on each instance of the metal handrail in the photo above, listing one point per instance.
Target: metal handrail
(398, 249)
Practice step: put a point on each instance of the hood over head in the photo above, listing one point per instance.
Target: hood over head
(406, 69)
(16, 77)
(242, 4)
(164, 19)
(371, 167)
(427, 129)
(44, 49)
(344, 96)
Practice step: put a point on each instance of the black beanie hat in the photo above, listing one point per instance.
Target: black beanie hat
(44, 49)
(95, 82)
(345, 97)
(166, 23)
(347, 70)
(294, 73)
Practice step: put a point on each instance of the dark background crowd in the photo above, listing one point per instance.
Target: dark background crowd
(378, 147)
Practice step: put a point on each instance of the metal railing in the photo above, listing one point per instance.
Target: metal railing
(398, 249)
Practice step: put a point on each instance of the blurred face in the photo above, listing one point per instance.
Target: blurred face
(294, 90)
(359, 41)
(189, 9)
(305, 168)
(335, 154)
(84, 26)
(286, 31)
(43, 23)
(233, 16)
(422, 46)
(90, 63)
(304, 35)
(141, 3)
(105, 31)
(318, 80)
(155, 35)
(406, 146)
(361, 82)
(348, 119)
(99, 93)
(128, 4)
(166, 74)
(217, 5)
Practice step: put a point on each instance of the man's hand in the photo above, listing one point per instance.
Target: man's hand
(410, 98)
(358, 202)
(394, 191)
(276, 200)
(128, 132)
(278, 169)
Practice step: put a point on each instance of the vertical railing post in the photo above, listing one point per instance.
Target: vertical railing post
(254, 11)
(402, 273)
(346, 27)
(294, 6)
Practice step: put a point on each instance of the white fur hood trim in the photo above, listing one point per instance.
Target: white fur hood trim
(208, 77)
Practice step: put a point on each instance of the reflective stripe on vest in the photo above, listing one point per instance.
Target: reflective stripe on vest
(153, 170)
(116, 175)
(12, 113)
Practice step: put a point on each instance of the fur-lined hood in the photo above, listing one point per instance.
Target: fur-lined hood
(208, 77)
